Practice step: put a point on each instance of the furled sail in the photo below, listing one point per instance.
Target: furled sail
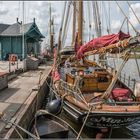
(101, 42)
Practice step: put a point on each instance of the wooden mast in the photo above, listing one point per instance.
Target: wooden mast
(74, 22)
(60, 31)
(80, 23)
(51, 34)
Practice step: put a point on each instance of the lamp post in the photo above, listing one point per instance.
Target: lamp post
(23, 47)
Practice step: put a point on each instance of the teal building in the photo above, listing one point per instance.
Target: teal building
(11, 37)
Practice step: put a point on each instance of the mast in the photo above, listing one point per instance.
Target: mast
(51, 35)
(23, 49)
(60, 31)
(74, 22)
(99, 32)
(97, 18)
(80, 23)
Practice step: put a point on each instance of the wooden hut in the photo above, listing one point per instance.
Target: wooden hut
(11, 39)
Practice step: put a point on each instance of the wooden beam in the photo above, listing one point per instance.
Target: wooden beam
(74, 22)
(80, 23)
(124, 44)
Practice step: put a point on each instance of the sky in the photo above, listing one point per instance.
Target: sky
(10, 10)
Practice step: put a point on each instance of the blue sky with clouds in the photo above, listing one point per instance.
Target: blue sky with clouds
(10, 10)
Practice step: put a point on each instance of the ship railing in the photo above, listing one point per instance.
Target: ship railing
(73, 90)
(127, 80)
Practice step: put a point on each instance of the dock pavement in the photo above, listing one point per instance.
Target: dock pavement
(19, 89)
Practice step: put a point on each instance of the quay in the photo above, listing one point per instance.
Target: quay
(21, 99)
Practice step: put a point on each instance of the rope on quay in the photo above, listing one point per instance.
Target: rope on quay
(21, 128)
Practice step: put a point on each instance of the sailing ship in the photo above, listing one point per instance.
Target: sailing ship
(90, 93)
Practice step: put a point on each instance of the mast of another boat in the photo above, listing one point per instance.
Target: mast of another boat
(74, 23)
(98, 28)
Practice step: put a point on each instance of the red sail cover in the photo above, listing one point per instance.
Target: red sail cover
(101, 42)
(55, 74)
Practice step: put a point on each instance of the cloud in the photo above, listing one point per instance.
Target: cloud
(133, 19)
(115, 25)
(32, 9)
(4, 10)
(40, 10)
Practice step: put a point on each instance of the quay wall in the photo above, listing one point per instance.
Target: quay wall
(28, 109)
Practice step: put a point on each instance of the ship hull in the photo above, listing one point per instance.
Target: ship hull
(101, 119)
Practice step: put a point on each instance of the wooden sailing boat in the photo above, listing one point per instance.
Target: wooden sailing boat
(90, 93)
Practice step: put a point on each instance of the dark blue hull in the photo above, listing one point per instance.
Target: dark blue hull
(102, 119)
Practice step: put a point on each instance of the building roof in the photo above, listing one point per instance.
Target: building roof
(16, 29)
(3, 27)
(12, 30)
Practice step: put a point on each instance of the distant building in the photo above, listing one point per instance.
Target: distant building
(11, 39)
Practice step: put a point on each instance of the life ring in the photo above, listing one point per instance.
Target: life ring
(12, 58)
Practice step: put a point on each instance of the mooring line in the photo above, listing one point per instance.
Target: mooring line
(16, 125)
(84, 123)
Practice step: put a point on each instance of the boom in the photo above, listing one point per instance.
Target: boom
(113, 48)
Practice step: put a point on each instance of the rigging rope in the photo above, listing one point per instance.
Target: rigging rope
(123, 23)
(126, 17)
(137, 63)
(66, 21)
(19, 133)
(18, 9)
(21, 128)
(89, 16)
(106, 17)
(109, 89)
(46, 112)
(109, 16)
(61, 27)
(95, 17)
(127, 27)
(66, 32)
(64, 11)
(133, 11)
(84, 122)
